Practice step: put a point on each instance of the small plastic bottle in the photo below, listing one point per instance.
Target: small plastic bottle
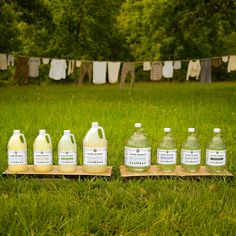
(191, 152)
(138, 151)
(43, 152)
(67, 153)
(167, 152)
(17, 152)
(216, 153)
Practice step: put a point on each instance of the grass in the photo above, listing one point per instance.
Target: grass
(33, 206)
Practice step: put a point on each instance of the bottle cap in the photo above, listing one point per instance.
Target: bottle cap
(137, 125)
(67, 132)
(42, 131)
(191, 130)
(16, 131)
(167, 130)
(94, 124)
(216, 130)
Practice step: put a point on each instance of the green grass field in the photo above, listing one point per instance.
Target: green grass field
(34, 206)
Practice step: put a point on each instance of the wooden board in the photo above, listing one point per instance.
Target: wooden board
(55, 172)
(154, 171)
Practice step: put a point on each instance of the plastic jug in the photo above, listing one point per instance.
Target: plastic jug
(43, 152)
(17, 152)
(95, 150)
(67, 153)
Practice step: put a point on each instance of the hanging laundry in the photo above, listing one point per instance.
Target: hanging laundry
(71, 67)
(10, 60)
(113, 72)
(45, 61)
(86, 68)
(177, 65)
(146, 65)
(168, 69)
(58, 69)
(34, 63)
(22, 67)
(205, 76)
(216, 62)
(194, 69)
(127, 68)
(78, 63)
(99, 72)
(225, 58)
(3, 61)
(232, 63)
(156, 71)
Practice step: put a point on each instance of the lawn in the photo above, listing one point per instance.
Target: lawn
(162, 206)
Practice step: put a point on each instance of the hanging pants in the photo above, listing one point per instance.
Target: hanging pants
(85, 68)
(22, 67)
(127, 68)
(205, 76)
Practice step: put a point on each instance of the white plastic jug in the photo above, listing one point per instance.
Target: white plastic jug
(95, 150)
(67, 153)
(43, 152)
(17, 152)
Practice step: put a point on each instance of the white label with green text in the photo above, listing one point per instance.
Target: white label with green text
(67, 158)
(17, 157)
(95, 156)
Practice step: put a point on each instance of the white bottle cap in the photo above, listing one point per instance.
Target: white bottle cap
(216, 130)
(167, 130)
(137, 125)
(94, 124)
(67, 132)
(16, 131)
(191, 130)
(42, 131)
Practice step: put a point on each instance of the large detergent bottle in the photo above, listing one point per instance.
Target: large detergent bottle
(43, 152)
(17, 152)
(95, 150)
(67, 152)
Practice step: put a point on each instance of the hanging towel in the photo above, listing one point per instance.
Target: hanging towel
(22, 67)
(78, 63)
(205, 76)
(194, 69)
(58, 69)
(99, 72)
(232, 63)
(177, 65)
(168, 69)
(34, 63)
(113, 71)
(216, 62)
(156, 71)
(225, 59)
(3, 61)
(71, 66)
(10, 60)
(146, 65)
(86, 68)
(45, 61)
(127, 68)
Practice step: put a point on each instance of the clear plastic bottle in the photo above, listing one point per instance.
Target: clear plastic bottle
(95, 150)
(191, 152)
(43, 152)
(17, 152)
(138, 151)
(167, 152)
(216, 153)
(67, 153)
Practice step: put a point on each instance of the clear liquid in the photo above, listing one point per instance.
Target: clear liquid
(191, 143)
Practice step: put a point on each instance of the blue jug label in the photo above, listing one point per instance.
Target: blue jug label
(166, 157)
(190, 157)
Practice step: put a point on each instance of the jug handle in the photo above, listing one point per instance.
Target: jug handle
(73, 137)
(23, 136)
(49, 138)
(103, 133)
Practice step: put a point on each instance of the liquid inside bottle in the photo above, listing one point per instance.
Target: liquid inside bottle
(138, 151)
(17, 152)
(43, 152)
(167, 152)
(191, 152)
(67, 153)
(216, 153)
(95, 150)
